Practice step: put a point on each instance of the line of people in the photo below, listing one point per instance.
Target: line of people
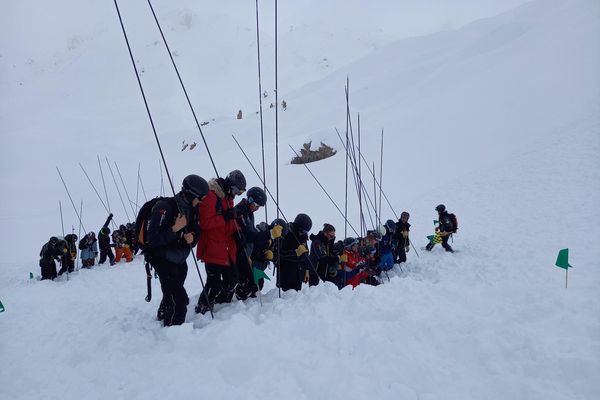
(233, 247)
(63, 250)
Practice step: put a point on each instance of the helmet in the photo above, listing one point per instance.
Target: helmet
(256, 195)
(404, 214)
(349, 242)
(304, 222)
(122, 227)
(195, 186)
(440, 208)
(279, 221)
(337, 248)
(236, 182)
(390, 225)
(105, 230)
(53, 240)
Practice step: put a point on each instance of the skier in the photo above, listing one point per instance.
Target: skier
(68, 258)
(89, 250)
(386, 246)
(248, 236)
(323, 258)
(402, 239)
(121, 245)
(49, 253)
(217, 247)
(294, 263)
(447, 226)
(104, 243)
(170, 234)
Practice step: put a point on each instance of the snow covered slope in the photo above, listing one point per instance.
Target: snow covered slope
(498, 119)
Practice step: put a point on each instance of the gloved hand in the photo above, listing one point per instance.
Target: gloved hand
(268, 255)
(306, 275)
(344, 258)
(406, 249)
(276, 231)
(230, 214)
(301, 250)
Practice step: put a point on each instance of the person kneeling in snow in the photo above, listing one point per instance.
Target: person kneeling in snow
(386, 246)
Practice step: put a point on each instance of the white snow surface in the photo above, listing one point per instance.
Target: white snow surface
(490, 107)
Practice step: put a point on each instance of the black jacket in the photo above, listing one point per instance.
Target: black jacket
(321, 253)
(402, 227)
(446, 222)
(248, 235)
(288, 246)
(162, 244)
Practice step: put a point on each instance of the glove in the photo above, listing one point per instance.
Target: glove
(230, 214)
(276, 231)
(406, 249)
(268, 255)
(306, 276)
(344, 258)
(301, 250)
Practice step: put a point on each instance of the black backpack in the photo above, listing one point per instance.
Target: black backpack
(454, 223)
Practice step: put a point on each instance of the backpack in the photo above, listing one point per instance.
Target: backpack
(454, 223)
(141, 223)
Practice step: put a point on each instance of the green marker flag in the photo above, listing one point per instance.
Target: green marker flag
(430, 238)
(258, 274)
(1, 307)
(562, 261)
(31, 275)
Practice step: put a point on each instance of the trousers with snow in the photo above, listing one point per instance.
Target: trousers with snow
(48, 269)
(221, 282)
(124, 252)
(106, 253)
(173, 306)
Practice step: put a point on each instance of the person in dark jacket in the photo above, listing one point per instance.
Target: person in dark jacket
(68, 258)
(447, 226)
(217, 246)
(402, 239)
(171, 233)
(386, 246)
(248, 236)
(323, 258)
(294, 263)
(49, 253)
(104, 243)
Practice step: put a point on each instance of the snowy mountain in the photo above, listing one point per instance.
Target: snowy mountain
(498, 119)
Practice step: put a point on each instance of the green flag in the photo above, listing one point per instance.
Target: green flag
(1, 307)
(31, 275)
(258, 274)
(430, 238)
(562, 261)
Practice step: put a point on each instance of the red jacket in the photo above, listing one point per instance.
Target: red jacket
(217, 243)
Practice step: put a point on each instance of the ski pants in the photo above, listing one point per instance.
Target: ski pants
(221, 282)
(106, 253)
(290, 275)
(386, 261)
(175, 299)
(124, 252)
(246, 286)
(48, 269)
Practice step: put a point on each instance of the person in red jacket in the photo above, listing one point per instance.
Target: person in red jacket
(217, 248)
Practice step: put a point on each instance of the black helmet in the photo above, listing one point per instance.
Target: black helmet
(303, 222)
(440, 208)
(195, 186)
(337, 248)
(256, 195)
(281, 222)
(236, 182)
(390, 225)
(349, 242)
(53, 240)
(105, 230)
(122, 227)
